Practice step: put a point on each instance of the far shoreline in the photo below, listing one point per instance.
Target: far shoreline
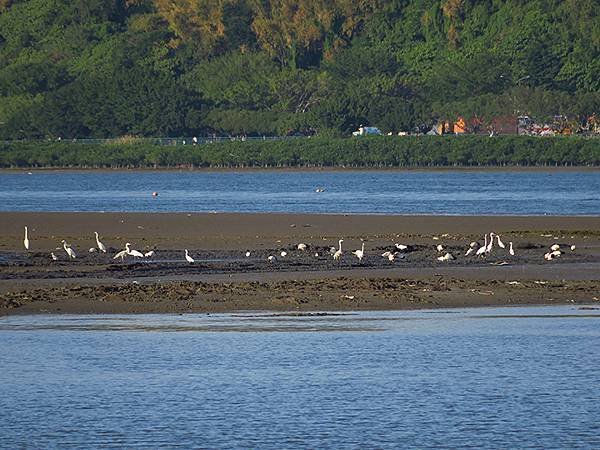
(305, 169)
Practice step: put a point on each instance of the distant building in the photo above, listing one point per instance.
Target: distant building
(364, 131)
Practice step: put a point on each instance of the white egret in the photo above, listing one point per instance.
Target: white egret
(188, 258)
(26, 240)
(391, 257)
(440, 248)
(248, 254)
(510, 249)
(149, 254)
(122, 254)
(338, 254)
(500, 243)
(360, 253)
(133, 252)
(100, 245)
(271, 259)
(283, 253)
(472, 247)
(69, 250)
(555, 247)
(446, 257)
(302, 247)
(401, 247)
(53, 256)
(386, 254)
(573, 247)
(481, 250)
(490, 244)
(92, 250)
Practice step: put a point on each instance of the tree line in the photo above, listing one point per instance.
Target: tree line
(410, 151)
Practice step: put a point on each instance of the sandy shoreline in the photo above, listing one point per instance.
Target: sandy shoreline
(223, 279)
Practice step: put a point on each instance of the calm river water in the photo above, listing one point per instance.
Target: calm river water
(484, 378)
(382, 192)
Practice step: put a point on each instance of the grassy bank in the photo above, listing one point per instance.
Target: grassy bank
(423, 151)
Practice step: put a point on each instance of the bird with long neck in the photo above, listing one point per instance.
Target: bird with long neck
(133, 252)
(69, 250)
(188, 258)
(26, 240)
(100, 245)
(360, 253)
(338, 254)
(490, 244)
(481, 250)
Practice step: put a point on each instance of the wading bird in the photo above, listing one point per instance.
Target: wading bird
(302, 247)
(149, 254)
(500, 243)
(188, 258)
(122, 254)
(481, 250)
(446, 257)
(471, 248)
(488, 250)
(100, 245)
(69, 250)
(53, 256)
(26, 240)
(510, 249)
(133, 252)
(360, 253)
(338, 254)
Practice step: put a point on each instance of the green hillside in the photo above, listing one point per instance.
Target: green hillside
(104, 68)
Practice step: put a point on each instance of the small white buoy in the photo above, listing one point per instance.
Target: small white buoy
(155, 194)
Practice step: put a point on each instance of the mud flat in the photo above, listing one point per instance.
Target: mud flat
(224, 279)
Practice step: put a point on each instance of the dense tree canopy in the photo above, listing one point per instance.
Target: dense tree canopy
(103, 68)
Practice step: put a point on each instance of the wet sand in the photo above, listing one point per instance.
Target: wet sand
(224, 279)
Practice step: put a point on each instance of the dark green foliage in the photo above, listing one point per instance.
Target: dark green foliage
(312, 152)
(107, 68)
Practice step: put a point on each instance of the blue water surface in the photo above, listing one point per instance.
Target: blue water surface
(379, 192)
(482, 378)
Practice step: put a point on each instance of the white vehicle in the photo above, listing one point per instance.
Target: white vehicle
(365, 131)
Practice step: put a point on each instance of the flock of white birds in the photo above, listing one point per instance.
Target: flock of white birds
(475, 249)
